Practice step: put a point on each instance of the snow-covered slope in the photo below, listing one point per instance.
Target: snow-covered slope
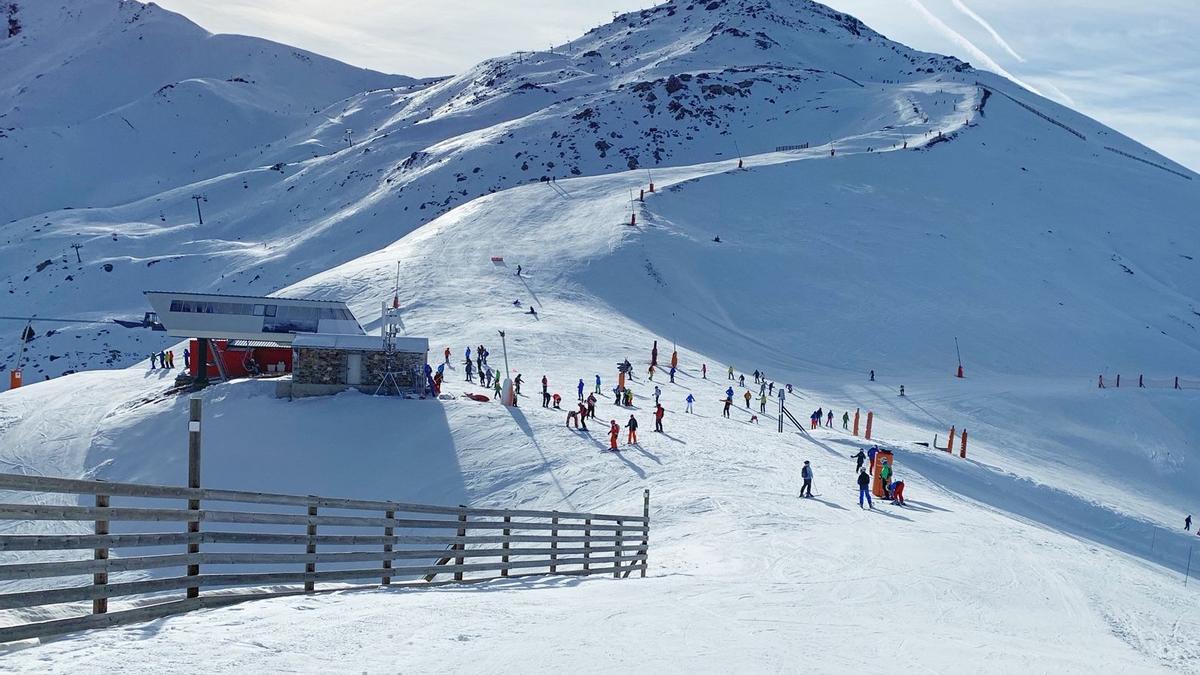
(957, 212)
(103, 101)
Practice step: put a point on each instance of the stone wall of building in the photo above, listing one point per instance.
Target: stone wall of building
(312, 365)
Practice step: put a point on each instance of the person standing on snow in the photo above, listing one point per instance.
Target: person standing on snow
(1187, 524)
(829, 419)
(591, 406)
(728, 403)
(861, 457)
(469, 371)
(187, 358)
(597, 383)
(885, 472)
(864, 489)
(771, 388)
(672, 374)
(616, 395)
(580, 389)
(741, 380)
(747, 396)
(762, 403)
(731, 372)
(729, 392)
(846, 420)
(872, 375)
(583, 415)
(704, 371)
(814, 419)
(756, 376)
(517, 384)
(650, 370)
(871, 456)
(496, 388)
(692, 399)
(467, 357)
(613, 432)
(807, 474)
(447, 354)
(657, 393)
(762, 388)
(153, 360)
(632, 425)
(658, 415)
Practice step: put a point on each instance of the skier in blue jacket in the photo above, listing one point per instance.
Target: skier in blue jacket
(690, 400)
(807, 474)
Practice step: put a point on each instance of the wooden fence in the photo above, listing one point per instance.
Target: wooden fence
(343, 540)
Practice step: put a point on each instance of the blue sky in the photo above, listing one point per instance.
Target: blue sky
(1132, 65)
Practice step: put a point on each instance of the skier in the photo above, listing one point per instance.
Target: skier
(650, 370)
(872, 375)
(674, 359)
(580, 387)
(741, 380)
(771, 388)
(616, 395)
(871, 456)
(901, 390)
(613, 432)
(704, 371)
(756, 376)
(628, 398)
(447, 354)
(583, 415)
(829, 420)
(807, 474)
(762, 403)
(747, 397)
(1187, 524)
(896, 489)
(672, 374)
(657, 393)
(469, 371)
(631, 425)
(885, 472)
(154, 361)
(658, 415)
(731, 372)
(517, 383)
(532, 311)
(591, 406)
(789, 388)
(171, 358)
(496, 388)
(864, 489)
(861, 457)
(814, 420)
(728, 402)
(468, 355)
(846, 420)
(518, 270)
(557, 401)
(187, 358)
(162, 359)
(597, 383)
(692, 399)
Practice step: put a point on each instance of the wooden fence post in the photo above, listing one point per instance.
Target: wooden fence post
(311, 566)
(554, 543)
(462, 532)
(387, 548)
(646, 532)
(620, 537)
(100, 605)
(504, 545)
(587, 544)
(193, 527)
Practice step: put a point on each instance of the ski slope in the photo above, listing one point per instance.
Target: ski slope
(1053, 548)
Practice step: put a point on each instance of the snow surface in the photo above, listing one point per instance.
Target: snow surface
(1054, 548)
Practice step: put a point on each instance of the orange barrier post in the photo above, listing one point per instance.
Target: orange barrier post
(14, 378)
(950, 443)
(621, 381)
(877, 471)
(963, 451)
(870, 419)
(856, 421)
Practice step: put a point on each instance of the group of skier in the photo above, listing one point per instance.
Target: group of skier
(166, 359)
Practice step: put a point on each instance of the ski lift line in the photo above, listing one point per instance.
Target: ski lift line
(56, 320)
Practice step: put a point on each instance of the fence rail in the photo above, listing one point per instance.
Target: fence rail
(1143, 382)
(413, 548)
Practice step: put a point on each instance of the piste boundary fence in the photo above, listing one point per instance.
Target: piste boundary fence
(470, 545)
(1143, 382)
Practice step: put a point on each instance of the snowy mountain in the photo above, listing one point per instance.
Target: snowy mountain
(934, 202)
(104, 101)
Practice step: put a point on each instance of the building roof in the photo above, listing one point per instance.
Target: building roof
(263, 298)
(412, 345)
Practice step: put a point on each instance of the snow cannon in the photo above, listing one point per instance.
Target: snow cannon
(14, 378)
(877, 472)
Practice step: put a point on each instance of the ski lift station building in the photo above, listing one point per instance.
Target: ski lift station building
(319, 341)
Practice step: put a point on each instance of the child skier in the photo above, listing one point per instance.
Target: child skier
(613, 432)
(692, 399)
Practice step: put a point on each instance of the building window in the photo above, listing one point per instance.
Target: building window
(260, 310)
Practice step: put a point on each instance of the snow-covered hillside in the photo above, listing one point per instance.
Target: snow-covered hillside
(931, 205)
(104, 101)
